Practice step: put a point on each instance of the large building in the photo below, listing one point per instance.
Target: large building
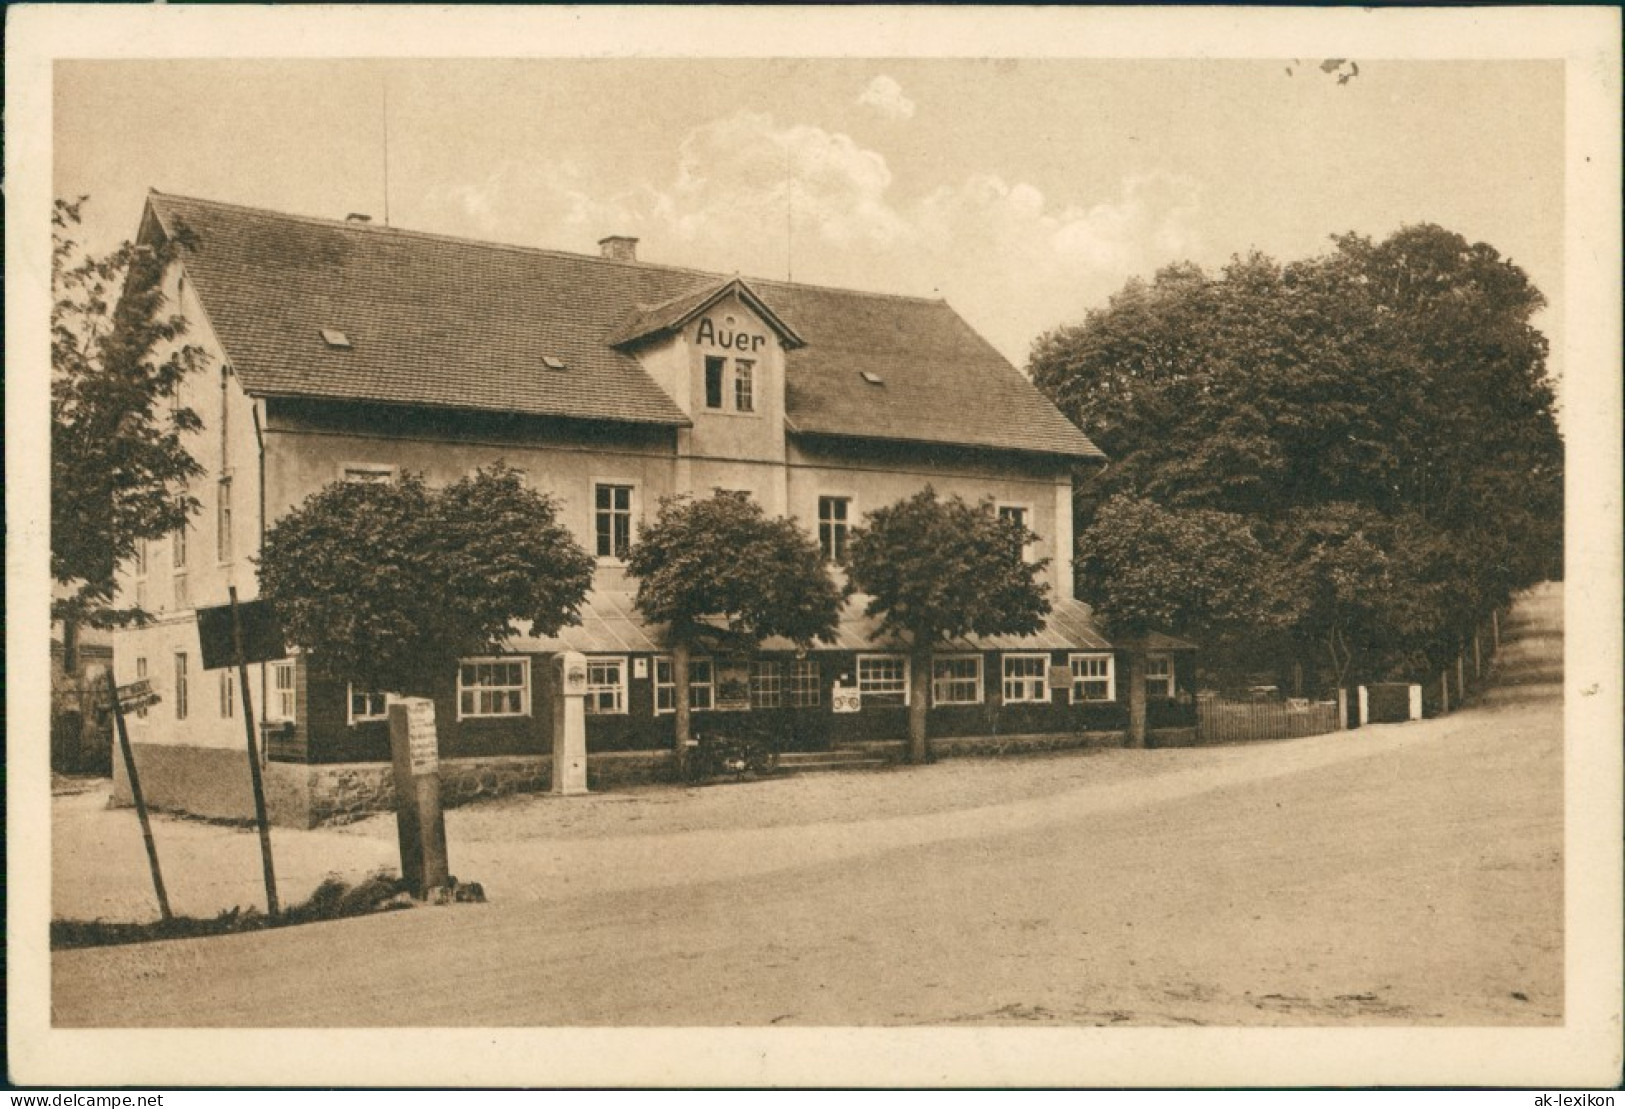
(346, 351)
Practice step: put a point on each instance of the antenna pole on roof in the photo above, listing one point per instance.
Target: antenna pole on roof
(386, 148)
(789, 219)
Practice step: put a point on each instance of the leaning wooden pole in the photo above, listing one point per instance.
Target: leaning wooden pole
(140, 801)
(253, 758)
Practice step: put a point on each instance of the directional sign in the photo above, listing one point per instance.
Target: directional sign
(262, 635)
(136, 695)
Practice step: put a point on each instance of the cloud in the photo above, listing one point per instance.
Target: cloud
(751, 195)
(886, 96)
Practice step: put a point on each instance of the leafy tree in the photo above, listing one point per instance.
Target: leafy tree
(1378, 420)
(389, 585)
(119, 461)
(939, 569)
(722, 567)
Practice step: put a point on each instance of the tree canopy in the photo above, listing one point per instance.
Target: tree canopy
(1374, 426)
(388, 585)
(719, 567)
(119, 460)
(938, 569)
(723, 559)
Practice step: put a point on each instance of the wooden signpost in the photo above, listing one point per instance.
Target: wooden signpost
(138, 695)
(234, 635)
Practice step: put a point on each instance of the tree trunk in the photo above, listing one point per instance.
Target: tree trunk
(919, 703)
(70, 648)
(679, 677)
(1136, 696)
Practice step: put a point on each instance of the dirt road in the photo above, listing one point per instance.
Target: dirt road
(1404, 874)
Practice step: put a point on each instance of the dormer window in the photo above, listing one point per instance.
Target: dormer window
(335, 338)
(871, 377)
(714, 368)
(553, 363)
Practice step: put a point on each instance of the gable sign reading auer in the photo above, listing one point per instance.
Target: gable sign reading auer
(726, 337)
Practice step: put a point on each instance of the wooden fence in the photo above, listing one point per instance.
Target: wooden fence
(1219, 720)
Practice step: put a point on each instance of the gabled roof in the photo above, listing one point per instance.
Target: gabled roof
(439, 321)
(672, 314)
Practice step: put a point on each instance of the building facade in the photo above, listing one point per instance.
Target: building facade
(342, 351)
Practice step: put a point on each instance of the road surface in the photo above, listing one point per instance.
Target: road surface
(1405, 874)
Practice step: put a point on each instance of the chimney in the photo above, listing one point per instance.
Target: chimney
(619, 248)
(357, 217)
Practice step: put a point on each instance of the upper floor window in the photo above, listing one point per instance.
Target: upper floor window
(222, 543)
(1022, 516)
(141, 675)
(612, 519)
(367, 473)
(833, 513)
(228, 693)
(744, 385)
(177, 548)
(714, 368)
(140, 570)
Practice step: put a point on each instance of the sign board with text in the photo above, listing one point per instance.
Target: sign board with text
(422, 741)
(135, 695)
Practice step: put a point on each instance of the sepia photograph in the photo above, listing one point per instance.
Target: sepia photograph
(794, 547)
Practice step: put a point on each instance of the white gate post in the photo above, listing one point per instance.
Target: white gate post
(569, 689)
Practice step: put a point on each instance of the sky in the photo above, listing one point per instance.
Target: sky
(1024, 191)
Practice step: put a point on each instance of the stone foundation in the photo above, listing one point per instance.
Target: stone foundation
(948, 747)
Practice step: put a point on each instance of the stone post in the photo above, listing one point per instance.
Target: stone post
(569, 688)
(414, 747)
(1365, 706)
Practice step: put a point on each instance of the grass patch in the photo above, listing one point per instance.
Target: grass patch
(334, 899)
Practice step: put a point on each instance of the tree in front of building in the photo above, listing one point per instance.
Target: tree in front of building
(389, 585)
(936, 570)
(1375, 426)
(119, 460)
(721, 567)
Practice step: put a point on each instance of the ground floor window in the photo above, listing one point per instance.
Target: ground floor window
(141, 675)
(228, 694)
(767, 685)
(1092, 678)
(883, 679)
(606, 686)
(493, 687)
(1159, 676)
(805, 683)
(956, 680)
(366, 706)
(284, 699)
(1026, 679)
(180, 685)
(702, 685)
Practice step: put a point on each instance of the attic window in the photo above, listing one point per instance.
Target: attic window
(871, 377)
(336, 339)
(553, 363)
